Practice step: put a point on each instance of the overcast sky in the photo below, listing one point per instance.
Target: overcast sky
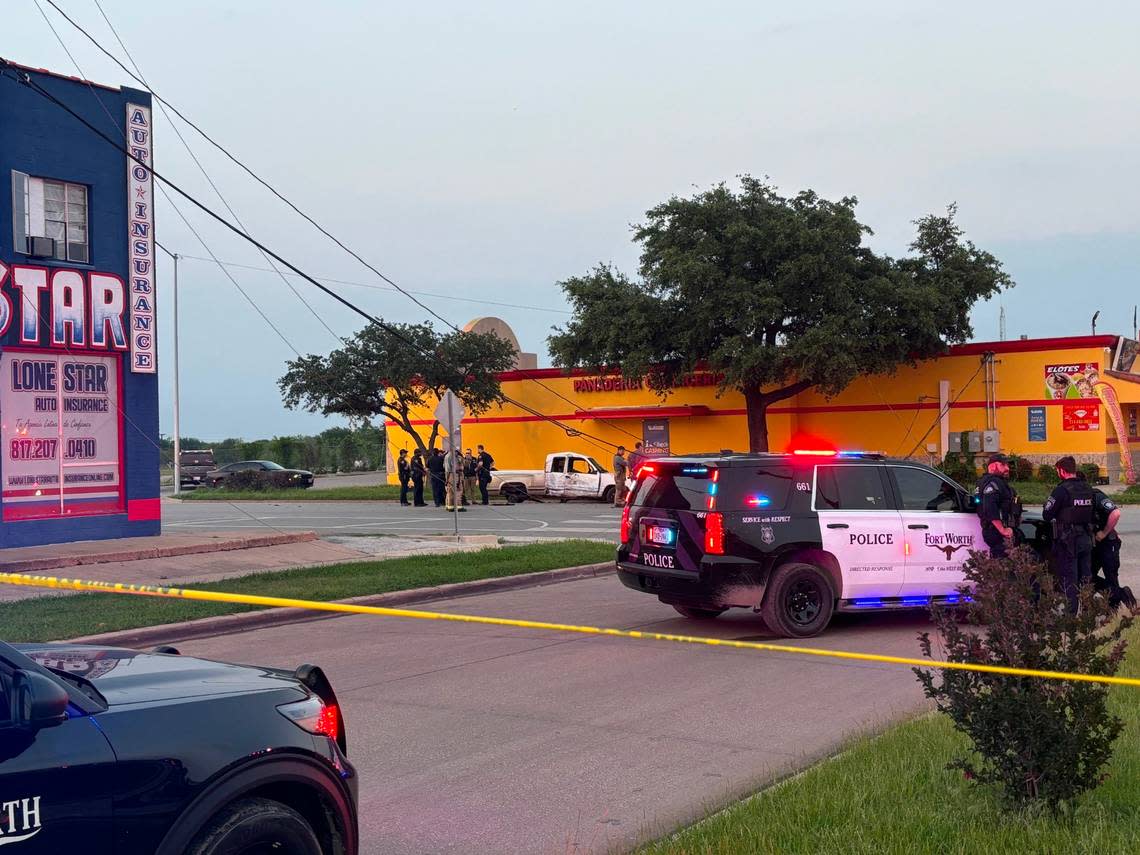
(486, 151)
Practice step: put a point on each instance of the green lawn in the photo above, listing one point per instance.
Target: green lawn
(1035, 493)
(49, 618)
(381, 492)
(893, 794)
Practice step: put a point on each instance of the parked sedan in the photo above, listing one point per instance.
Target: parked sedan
(284, 477)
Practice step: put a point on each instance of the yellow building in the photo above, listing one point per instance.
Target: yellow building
(1039, 398)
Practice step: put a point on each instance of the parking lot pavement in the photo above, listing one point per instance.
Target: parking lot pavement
(528, 520)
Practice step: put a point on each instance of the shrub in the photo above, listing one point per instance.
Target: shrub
(954, 467)
(1091, 472)
(1047, 474)
(1020, 469)
(1043, 741)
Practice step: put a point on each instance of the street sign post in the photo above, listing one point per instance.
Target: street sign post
(450, 413)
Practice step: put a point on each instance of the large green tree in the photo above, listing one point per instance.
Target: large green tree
(392, 375)
(779, 294)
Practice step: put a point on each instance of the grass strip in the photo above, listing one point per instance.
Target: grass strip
(358, 493)
(1035, 493)
(54, 617)
(893, 794)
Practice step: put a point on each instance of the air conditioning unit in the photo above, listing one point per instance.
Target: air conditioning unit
(41, 247)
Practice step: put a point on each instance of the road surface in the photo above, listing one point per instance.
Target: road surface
(473, 739)
(530, 519)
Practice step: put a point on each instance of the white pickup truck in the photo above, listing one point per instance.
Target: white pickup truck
(568, 475)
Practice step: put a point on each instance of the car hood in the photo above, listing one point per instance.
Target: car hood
(126, 676)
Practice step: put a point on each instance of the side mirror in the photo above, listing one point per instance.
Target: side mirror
(37, 701)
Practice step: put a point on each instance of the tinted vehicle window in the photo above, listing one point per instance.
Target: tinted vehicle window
(920, 490)
(754, 488)
(850, 488)
(190, 459)
(558, 464)
(738, 488)
(675, 493)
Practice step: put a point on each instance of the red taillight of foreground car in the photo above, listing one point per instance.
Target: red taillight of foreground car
(314, 715)
(714, 534)
(625, 523)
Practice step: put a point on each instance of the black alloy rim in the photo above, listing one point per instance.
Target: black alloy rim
(803, 602)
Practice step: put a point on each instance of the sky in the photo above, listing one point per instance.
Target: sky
(488, 151)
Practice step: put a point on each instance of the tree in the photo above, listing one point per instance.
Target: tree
(378, 373)
(778, 294)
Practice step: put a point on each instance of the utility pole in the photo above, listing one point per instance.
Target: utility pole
(1001, 324)
(1095, 316)
(174, 360)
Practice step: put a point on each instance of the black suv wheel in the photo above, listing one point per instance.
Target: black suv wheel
(799, 601)
(255, 826)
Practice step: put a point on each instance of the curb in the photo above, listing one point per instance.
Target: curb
(246, 621)
(36, 565)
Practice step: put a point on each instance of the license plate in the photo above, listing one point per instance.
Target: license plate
(661, 535)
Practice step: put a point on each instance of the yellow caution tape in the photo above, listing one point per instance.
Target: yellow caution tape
(349, 608)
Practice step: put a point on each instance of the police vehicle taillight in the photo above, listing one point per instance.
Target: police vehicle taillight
(313, 715)
(714, 534)
(625, 523)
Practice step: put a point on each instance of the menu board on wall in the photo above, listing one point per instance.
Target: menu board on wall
(60, 424)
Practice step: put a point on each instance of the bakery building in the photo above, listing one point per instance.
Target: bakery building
(1039, 398)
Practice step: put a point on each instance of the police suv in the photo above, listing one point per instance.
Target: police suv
(798, 536)
(110, 750)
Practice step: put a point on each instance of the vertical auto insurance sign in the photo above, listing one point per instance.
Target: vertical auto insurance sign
(140, 231)
(60, 426)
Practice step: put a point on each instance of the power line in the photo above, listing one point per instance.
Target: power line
(388, 289)
(181, 216)
(20, 76)
(297, 210)
(944, 410)
(210, 181)
(118, 403)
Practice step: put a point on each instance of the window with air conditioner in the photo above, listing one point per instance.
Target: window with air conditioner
(50, 218)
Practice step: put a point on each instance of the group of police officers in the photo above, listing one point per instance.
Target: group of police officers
(1085, 545)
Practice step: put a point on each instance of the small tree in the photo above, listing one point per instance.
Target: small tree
(1043, 741)
(778, 294)
(378, 373)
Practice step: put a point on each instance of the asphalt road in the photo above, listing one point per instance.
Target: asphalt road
(530, 519)
(475, 739)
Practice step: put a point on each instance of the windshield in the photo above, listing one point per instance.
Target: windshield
(269, 464)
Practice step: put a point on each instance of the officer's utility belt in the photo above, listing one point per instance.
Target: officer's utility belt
(1067, 531)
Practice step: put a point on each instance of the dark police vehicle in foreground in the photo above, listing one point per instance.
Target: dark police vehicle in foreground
(798, 536)
(108, 750)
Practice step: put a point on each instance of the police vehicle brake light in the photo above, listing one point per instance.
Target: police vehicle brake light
(625, 523)
(714, 534)
(313, 715)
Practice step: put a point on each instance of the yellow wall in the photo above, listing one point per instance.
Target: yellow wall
(897, 414)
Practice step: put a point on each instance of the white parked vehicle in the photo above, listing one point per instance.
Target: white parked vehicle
(568, 475)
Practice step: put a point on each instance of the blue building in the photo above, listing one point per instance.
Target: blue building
(79, 458)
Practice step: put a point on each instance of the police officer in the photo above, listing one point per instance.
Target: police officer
(1070, 507)
(404, 474)
(996, 507)
(1106, 551)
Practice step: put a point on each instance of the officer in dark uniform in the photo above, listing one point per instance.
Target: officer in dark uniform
(1070, 508)
(1106, 551)
(997, 506)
